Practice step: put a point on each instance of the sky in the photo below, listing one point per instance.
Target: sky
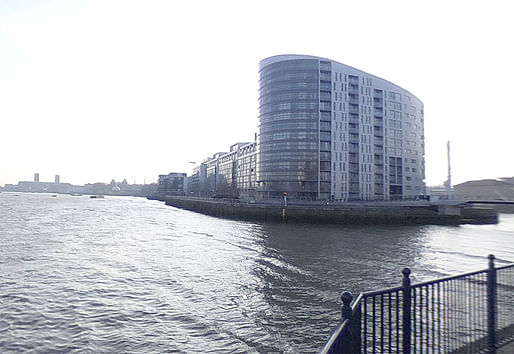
(96, 90)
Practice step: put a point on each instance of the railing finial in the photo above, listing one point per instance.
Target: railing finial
(406, 272)
(346, 298)
(491, 261)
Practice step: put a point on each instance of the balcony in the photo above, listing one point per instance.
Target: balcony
(353, 99)
(325, 106)
(353, 79)
(325, 75)
(353, 88)
(353, 150)
(353, 110)
(325, 96)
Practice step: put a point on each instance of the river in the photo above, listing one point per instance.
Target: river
(125, 274)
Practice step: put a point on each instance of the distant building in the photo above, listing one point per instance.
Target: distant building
(113, 188)
(227, 174)
(172, 184)
(213, 173)
(439, 193)
(198, 181)
(36, 177)
(247, 171)
(486, 189)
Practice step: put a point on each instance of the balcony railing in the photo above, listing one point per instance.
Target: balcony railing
(467, 313)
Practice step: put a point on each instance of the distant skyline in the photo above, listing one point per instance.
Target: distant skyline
(96, 90)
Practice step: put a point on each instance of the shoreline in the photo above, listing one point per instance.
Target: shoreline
(394, 212)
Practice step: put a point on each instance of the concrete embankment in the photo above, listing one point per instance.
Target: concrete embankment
(420, 212)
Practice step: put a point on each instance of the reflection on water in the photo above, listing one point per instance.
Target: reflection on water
(127, 274)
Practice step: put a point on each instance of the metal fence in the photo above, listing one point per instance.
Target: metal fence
(466, 313)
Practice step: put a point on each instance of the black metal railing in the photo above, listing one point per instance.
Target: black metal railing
(466, 313)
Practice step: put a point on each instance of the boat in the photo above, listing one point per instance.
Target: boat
(96, 196)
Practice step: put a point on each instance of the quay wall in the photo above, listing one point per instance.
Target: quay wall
(354, 213)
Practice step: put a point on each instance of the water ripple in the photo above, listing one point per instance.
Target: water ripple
(131, 275)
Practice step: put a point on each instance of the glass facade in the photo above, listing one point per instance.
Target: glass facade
(327, 131)
(288, 138)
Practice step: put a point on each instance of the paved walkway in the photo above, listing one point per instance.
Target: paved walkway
(506, 349)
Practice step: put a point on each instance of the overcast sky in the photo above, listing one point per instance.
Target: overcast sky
(95, 90)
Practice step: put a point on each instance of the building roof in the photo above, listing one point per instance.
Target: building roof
(283, 57)
(486, 182)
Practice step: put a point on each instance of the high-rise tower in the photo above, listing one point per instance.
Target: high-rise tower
(330, 131)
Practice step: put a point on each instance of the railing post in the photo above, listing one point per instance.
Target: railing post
(352, 344)
(355, 327)
(491, 305)
(406, 307)
(346, 314)
(346, 298)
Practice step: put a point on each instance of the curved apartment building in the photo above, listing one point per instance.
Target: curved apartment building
(329, 131)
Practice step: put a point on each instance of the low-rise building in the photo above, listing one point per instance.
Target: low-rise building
(172, 184)
(246, 171)
(486, 189)
(198, 181)
(227, 174)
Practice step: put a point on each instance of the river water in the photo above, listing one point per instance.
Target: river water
(125, 274)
